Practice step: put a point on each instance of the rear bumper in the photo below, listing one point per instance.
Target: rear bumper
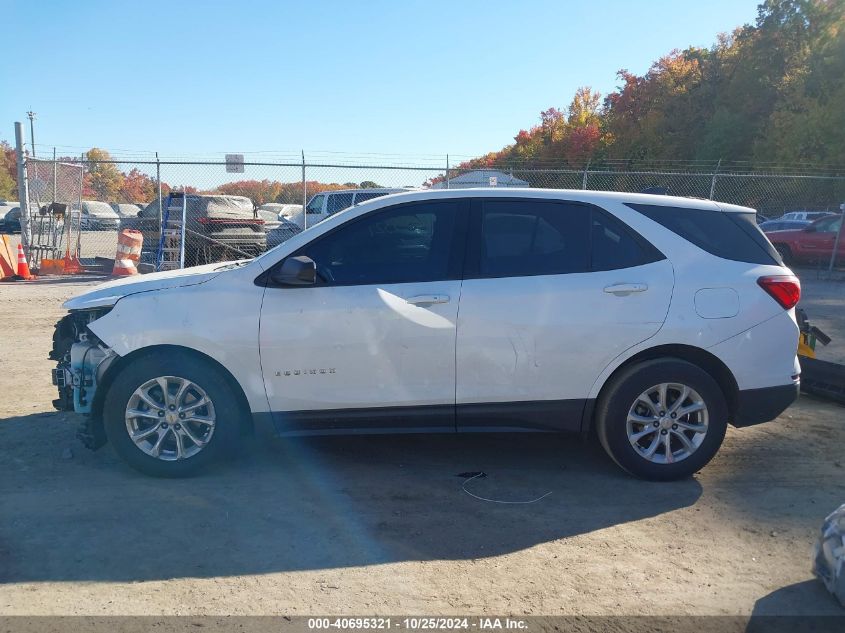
(755, 406)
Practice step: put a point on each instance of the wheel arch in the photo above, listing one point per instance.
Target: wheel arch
(116, 366)
(699, 357)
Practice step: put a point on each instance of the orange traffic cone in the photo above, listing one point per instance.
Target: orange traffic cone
(23, 267)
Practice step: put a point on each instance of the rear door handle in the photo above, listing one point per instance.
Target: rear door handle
(623, 290)
(427, 299)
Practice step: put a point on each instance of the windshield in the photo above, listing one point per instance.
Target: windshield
(828, 225)
(316, 204)
(100, 209)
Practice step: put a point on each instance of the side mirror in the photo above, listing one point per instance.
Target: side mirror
(296, 271)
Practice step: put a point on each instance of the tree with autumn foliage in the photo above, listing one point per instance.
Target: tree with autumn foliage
(102, 179)
(769, 91)
(259, 191)
(263, 191)
(138, 187)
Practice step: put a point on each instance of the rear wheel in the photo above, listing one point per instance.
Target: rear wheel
(171, 415)
(662, 419)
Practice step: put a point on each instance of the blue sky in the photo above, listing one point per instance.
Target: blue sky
(409, 78)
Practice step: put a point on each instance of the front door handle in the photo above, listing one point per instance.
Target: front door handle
(427, 299)
(623, 290)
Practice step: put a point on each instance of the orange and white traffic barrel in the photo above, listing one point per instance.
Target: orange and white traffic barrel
(129, 243)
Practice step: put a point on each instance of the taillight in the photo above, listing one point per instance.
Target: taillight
(785, 289)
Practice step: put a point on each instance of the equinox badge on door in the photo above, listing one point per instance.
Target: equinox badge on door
(304, 372)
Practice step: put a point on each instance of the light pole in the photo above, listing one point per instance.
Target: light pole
(31, 116)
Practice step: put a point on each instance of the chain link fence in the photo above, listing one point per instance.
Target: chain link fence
(110, 195)
(55, 192)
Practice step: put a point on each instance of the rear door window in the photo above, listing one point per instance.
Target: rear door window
(725, 234)
(339, 202)
(369, 195)
(519, 238)
(532, 237)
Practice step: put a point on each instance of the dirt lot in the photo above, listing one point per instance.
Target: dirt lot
(381, 525)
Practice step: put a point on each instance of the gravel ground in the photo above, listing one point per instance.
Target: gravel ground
(381, 525)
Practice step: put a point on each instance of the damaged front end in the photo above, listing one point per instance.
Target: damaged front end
(82, 360)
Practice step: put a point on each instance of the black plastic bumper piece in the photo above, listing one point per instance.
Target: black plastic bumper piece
(90, 433)
(755, 406)
(823, 378)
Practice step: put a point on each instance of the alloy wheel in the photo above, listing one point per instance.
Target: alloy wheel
(170, 418)
(667, 423)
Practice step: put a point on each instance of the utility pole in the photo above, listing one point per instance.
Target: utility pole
(31, 116)
(23, 189)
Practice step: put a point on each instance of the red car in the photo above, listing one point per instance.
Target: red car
(811, 245)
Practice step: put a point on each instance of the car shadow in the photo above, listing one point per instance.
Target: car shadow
(804, 606)
(309, 503)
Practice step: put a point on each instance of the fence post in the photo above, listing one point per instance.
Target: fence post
(55, 175)
(836, 242)
(304, 195)
(23, 188)
(586, 171)
(158, 192)
(713, 179)
(447, 171)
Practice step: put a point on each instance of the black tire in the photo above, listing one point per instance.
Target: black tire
(785, 253)
(618, 397)
(228, 413)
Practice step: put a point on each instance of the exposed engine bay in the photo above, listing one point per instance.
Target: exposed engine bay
(81, 361)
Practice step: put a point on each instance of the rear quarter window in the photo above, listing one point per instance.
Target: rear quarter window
(728, 235)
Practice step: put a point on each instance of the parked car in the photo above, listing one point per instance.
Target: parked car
(782, 225)
(281, 211)
(219, 228)
(97, 216)
(282, 231)
(326, 204)
(812, 244)
(657, 320)
(804, 215)
(11, 219)
(127, 210)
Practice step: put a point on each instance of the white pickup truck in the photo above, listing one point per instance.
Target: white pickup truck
(325, 204)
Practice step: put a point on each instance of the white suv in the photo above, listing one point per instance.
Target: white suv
(654, 320)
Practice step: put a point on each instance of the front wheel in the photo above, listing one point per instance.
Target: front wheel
(662, 419)
(171, 415)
